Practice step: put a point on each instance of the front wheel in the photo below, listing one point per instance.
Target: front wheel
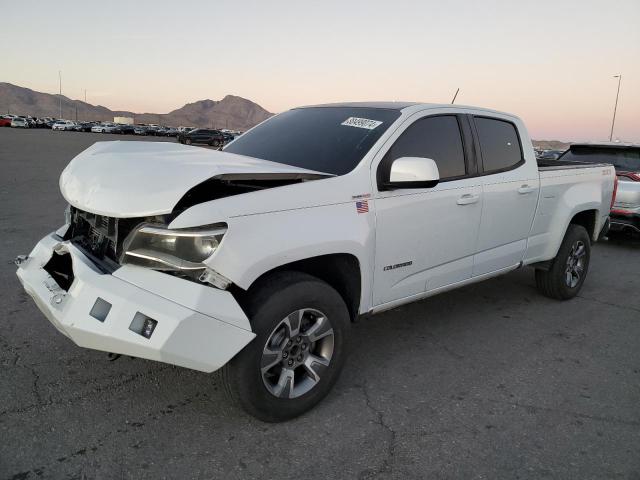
(301, 326)
(570, 267)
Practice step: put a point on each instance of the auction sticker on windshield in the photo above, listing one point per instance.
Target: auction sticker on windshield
(361, 123)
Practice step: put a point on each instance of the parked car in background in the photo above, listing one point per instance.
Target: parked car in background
(140, 130)
(127, 129)
(171, 132)
(19, 122)
(5, 121)
(257, 258)
(106, 128)
(228, 137)
(215, 138)
(84, 126)
(625, 157)
(550, 154)
(64, 125)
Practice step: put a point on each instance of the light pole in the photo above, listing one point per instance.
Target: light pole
(60, 95)
(619, 77)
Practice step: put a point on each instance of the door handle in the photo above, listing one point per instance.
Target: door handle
(524, 189)
(468, 199)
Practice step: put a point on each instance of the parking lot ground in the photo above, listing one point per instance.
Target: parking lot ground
(490, 381)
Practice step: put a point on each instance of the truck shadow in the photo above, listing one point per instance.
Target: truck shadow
(626, 240)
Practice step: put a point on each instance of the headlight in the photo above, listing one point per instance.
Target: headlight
(163, 249)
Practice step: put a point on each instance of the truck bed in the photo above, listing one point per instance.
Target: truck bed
(544, 165)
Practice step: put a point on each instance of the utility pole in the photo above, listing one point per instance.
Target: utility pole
(619, 77)
(454, 97)
(60, 93)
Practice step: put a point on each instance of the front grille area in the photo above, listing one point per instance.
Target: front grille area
(102, 237)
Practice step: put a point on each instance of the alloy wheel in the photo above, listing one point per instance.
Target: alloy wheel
(575, 264)
(297, 353)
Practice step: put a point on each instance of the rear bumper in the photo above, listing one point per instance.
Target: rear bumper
(198, 327)
(625, 220)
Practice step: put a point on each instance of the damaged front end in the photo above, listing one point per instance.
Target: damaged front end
(124, 195)
(111, 242)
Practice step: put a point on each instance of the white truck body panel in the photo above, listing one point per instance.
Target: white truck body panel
(96, 179)
(409, 243)
(561, 198)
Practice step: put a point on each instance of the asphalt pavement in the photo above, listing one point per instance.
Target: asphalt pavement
(492, 381)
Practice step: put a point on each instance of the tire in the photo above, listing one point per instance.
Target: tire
(216, 143)
(270, 305)
(569, 268)
(188, 141)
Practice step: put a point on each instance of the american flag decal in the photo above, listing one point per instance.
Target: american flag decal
(362, 206)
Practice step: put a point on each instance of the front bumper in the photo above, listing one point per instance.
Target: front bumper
(198, 327)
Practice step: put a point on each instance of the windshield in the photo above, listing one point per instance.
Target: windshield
(324, 139)
(624, 159)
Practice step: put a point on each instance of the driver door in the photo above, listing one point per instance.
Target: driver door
(426, 238)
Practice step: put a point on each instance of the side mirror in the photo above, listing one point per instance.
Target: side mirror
(413, 172)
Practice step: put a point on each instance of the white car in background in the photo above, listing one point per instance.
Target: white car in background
(104, 128)
(19, 122)
(63, 125)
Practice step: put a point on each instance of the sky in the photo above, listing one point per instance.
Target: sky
(550, 62)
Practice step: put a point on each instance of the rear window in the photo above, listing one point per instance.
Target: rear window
(325, 139)
(499, 144)
(623, 159)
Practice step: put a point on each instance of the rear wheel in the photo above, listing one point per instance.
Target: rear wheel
(301, 325)
(188, 141)
(570, 267)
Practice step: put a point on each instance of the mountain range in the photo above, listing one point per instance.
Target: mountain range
(232, 112)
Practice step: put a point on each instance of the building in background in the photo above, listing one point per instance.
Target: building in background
(123, 120)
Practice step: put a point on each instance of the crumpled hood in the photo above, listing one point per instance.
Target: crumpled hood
(139, 179)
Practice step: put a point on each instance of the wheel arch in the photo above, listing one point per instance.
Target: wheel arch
(342, 271)
(587, 219)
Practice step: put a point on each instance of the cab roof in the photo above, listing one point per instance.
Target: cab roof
(407, 107)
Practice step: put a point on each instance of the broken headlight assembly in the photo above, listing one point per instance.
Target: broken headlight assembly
(180, 251)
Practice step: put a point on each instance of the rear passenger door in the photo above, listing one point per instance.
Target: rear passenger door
(510, 187)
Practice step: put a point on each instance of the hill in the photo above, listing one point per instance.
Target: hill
(231, 112)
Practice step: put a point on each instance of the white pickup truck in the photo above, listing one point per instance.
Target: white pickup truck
(255, 259)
